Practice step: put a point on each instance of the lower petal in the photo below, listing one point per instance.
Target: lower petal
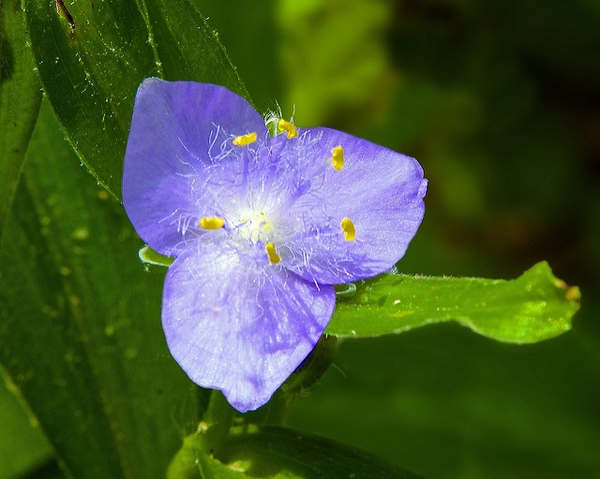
(238, 326)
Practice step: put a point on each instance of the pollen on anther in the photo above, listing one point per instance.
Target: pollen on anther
(348, 228)
(288, 127)
(337, 158)
(244, 140)
(212, 222)
(274, 258)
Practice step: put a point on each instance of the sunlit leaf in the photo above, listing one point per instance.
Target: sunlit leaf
(531, 308)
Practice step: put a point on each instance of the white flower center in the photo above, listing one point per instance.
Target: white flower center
(254, 226)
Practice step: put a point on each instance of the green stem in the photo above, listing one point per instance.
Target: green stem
(277, 410)
(212, 431)
(217, 421)
(184, 463)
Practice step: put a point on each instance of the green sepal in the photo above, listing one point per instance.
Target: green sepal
(149, 256)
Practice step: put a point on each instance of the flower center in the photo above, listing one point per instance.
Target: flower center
(255, 227)
(247, 224)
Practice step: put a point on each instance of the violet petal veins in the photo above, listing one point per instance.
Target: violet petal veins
(260, 228)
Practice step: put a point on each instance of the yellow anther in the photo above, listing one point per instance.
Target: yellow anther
(212, 222)
(274, 258)
(337, 158)
(288, 127)
(348, 227)
(244, 139)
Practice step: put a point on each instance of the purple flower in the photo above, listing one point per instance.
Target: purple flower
(260, 228)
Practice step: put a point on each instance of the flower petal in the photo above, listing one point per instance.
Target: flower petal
(179, 131)
(241, 325)
(380, 191)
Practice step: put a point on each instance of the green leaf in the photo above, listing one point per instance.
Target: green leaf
(80, 323)
(277, 452)
(22, 446)
(20, 98)
(264, 451)
(188, 48)
(99, 54)
(90, 72)
(528, 309)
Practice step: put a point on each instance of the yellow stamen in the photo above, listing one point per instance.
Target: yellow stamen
(212, 222)
(244, 139)
(288, 127)
(348, 227)
(274, 258)
(337, 158)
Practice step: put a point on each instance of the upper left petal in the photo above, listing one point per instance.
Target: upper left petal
(241, 325)
(168, 157)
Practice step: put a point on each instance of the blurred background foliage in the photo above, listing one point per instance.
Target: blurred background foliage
(500, 102)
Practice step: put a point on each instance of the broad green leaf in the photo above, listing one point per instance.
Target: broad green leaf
(20, 98)
(528, 309)
(99, 54)
(188, 48)
(278, 453)
(80, 323)
(258, 61)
